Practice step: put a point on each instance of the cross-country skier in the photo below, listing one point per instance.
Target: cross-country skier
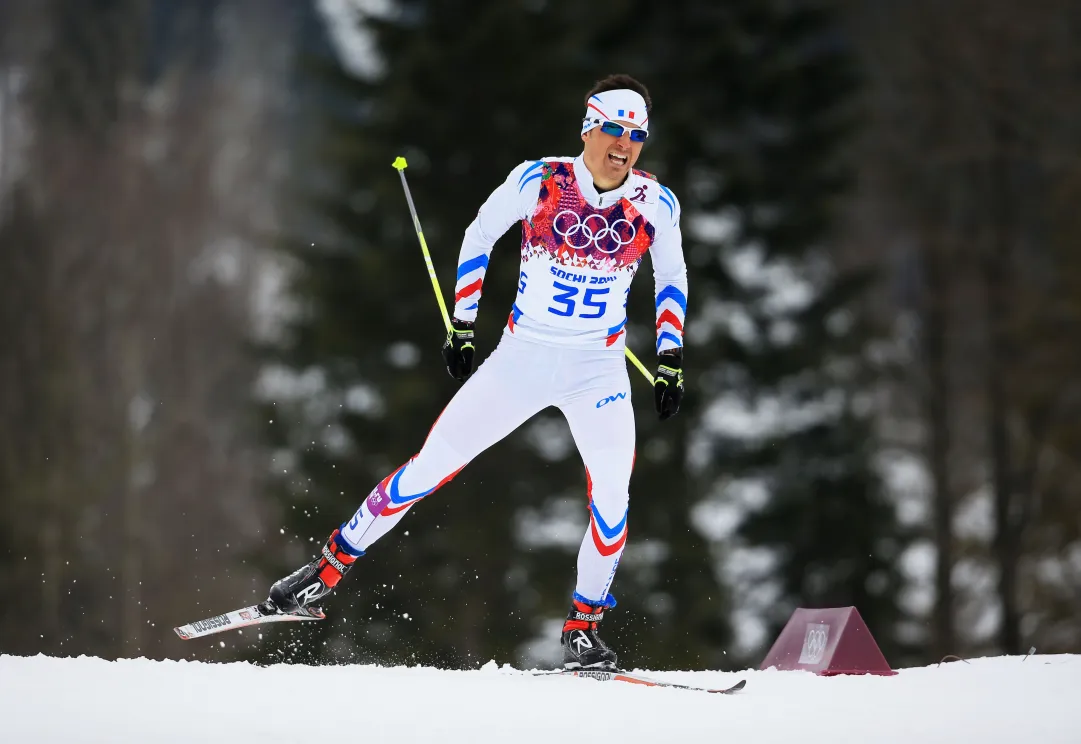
(587, 222)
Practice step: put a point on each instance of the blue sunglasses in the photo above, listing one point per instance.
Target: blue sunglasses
(617, 130)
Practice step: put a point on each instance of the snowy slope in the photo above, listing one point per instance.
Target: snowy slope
(45, 700)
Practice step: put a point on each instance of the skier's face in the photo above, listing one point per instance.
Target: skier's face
(611, 158)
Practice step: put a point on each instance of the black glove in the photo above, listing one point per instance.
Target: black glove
(668, 383)
(458, 350)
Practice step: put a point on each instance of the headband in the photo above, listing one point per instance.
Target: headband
(612, 105)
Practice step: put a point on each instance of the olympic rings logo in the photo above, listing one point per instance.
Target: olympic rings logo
(814, 643)
(594, 230)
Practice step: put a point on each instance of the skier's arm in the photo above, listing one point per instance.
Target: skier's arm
(512, 201)
(669, 275)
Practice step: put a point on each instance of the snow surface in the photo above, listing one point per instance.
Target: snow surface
(89, 700)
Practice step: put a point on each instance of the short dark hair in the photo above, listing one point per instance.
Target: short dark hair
(618, 82)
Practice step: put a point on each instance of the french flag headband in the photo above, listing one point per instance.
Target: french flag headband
(613, 105)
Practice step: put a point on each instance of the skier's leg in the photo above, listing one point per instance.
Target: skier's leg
(602, 422)
(511, 385)
(514, 383)
(437, 463)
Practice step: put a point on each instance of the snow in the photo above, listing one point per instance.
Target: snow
(1005, 699)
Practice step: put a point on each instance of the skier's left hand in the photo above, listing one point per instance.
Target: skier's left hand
(458, 350)
(668, 383)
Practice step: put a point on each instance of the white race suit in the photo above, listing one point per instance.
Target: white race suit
(563, 345)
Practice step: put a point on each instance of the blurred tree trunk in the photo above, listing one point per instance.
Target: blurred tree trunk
(999, 296)
(133, 527)
(921, 203)
(976, 108)
(936, 324)
(128, 252)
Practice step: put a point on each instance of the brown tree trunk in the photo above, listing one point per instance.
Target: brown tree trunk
(996, 274)
(937, 412)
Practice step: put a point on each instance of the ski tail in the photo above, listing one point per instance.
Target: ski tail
(243, 618)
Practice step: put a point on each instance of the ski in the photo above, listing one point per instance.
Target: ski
(242, 618)
(638, 679)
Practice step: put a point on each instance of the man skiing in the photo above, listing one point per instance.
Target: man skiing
(587, 222)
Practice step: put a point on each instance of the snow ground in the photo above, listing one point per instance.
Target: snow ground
(91, 701)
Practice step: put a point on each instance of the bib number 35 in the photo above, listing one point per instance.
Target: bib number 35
(566, 295)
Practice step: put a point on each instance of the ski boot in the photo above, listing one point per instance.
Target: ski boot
(582, 647)
(299, 592)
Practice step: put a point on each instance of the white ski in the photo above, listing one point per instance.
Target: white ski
(637, 679)
(241, 618)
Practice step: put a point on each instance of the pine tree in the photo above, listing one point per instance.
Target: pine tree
(781, 328)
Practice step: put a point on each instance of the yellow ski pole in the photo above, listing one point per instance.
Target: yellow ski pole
(638, 364)
(400, 165)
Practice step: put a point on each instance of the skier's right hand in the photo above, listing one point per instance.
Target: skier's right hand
(458, 349)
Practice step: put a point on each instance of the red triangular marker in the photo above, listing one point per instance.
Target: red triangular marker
(827, 642)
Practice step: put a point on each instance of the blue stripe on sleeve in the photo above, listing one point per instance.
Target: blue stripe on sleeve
(671, 292)
(665, 202)
(529, 170)
(534, 177)
(673, 337)
(480, 262)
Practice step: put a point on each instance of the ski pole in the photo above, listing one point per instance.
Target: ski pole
(638, 364)
(401, 165)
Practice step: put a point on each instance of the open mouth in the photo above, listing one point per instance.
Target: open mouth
(620, 160)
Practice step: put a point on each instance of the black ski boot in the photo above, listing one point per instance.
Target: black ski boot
(582, 647)
(299, 592)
